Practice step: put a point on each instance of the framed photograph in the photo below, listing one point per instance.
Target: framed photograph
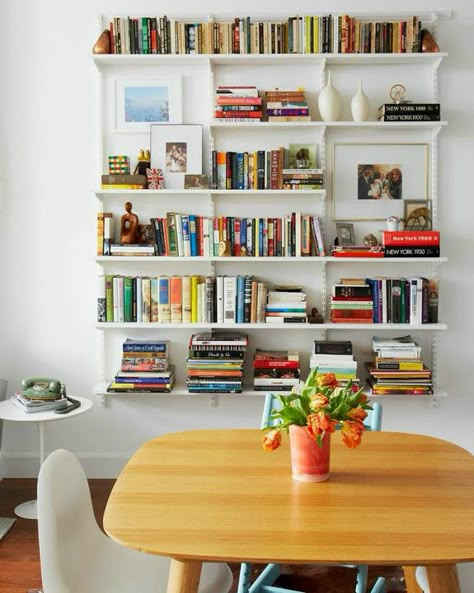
(372, 180)
(345, 233)
(139, 103)
(302, 156)
(417, 215)
(177, 151)
(196, 182)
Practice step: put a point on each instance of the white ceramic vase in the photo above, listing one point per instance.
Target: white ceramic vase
(329, 102)
(360, 105)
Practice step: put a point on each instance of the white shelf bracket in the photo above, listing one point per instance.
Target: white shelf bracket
(213, 401)
(103, 400)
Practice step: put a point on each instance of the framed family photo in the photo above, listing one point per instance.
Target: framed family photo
(177, 151)
(141, 102)
(372, 180)
(345, 233)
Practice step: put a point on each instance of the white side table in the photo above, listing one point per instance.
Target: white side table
(8, 411)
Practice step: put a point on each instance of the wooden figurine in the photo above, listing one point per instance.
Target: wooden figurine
(129, 226)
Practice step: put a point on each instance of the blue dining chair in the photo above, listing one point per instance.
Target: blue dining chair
(264, 583)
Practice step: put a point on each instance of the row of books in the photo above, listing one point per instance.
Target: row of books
(397, 368)
(189, 235)
(144, 367)
(275, 370)
(386, 300)
(286, 105)
(241, 35)
(238, 103)
(261, 169)
(215, 362)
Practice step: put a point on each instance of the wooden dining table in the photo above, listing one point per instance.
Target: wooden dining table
(215, 495)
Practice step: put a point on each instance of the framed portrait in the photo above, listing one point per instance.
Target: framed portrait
(345, 233)
(177, 151)
(196, 182)
(417, 215)
(372, 180)
(142, 102)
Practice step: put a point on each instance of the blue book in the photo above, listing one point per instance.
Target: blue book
(260, 237)
(240, 313)
(193, 234)
(186, 237)
(243, 233)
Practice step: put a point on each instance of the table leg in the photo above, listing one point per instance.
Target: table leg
(184, 576)
(29, 509)
(411, 583)
(443, 578)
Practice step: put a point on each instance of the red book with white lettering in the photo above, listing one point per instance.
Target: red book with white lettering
(392, 238)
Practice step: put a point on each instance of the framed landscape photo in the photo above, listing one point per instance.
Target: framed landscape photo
(417, 215)
(345, 233)
(371, 181)
(142, 102)
(177, 151)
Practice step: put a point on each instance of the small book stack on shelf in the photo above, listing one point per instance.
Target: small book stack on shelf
(124, 182)
(397, 368)
(409, 112)
(286, 304)
(276, 370)
(238, 104)
(411, 243)
(286, 106)
(331, 356)
(144, 368)
(357, 251)
(215, 362)
(352, 302)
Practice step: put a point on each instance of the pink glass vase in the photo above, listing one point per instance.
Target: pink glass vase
(309, 461)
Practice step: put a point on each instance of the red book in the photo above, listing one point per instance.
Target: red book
(276, 364)
(355, 253)
(236, 114)
(410, 238)
(233, 100)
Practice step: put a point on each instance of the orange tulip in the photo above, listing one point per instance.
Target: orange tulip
(318, 400)
(271, 440)
(327, 380)
(320, 423)
(352, 433)
(357, 414)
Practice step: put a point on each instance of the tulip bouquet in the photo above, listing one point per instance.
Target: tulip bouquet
(321, 405)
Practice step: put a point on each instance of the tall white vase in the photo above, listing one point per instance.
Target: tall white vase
(329, 102)
(360, 105)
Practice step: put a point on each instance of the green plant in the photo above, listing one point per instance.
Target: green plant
(320, 405)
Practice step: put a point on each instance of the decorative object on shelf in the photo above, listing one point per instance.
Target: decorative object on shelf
(428, 43)
(398, 93)
(393, 223)
(196, 182)
(143, 162)
(315, 317)
(360, 104)
(177, 150)
(370, 240)
(141, 102)
(417, 215)
(329, 102)
(318, 407)
(345, 233)
(102, 45)
(155, 178)
(367, 178)
(129, 226)
(119, 164)
(302, 156)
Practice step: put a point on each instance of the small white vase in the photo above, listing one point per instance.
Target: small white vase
(360, 105)
(329, 102)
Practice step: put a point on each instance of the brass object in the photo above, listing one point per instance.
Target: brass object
(419, 218)
(428, 43)
(102, 45)
(398, 93)
(370, 240)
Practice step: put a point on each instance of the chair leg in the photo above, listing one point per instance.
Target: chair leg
(379, 586)
(266, 578)
(362, 575)
(244, 578)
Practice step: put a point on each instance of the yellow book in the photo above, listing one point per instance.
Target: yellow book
(194, 298)
(186, 299)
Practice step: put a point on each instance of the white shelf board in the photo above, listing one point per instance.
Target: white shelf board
(387, 260)
(293, 326)
(207, 192)
(400, 125)
(248, 259)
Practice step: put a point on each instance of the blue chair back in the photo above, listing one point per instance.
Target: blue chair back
(372, 422)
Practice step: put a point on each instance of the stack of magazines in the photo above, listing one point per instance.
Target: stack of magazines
(30, 405)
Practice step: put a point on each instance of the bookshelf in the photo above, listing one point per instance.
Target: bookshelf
(201, 74)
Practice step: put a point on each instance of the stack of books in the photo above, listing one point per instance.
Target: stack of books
(31, 404)
(331, 356)
(411, 243)
(215, 362)
(357, 251)
(286, 304)
(145, 367)
(124, 182)
(276, 370)
(288, 105)
(409, 112)
(296, 179)
(238, 104)
(397, 368)
(352, 302)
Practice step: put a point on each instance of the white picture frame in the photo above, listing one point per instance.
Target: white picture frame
(177, 150)
(410, 158)
(140, 102)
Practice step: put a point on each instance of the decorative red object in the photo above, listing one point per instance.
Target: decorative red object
(155, 179)
(309, 461)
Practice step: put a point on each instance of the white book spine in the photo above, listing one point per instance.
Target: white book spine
(230, 294)
(220, 299)
(139, 299)
(179, 235)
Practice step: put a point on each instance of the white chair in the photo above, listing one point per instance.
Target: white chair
(422, 578)
(77, 557)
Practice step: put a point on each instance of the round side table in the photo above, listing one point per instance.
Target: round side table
(8, 411)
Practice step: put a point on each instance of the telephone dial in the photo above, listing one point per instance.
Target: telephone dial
(46, 388)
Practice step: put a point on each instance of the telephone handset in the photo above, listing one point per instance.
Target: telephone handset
(41, 388)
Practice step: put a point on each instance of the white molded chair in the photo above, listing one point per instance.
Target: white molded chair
(77, 557)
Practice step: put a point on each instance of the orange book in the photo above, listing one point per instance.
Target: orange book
(176, 299)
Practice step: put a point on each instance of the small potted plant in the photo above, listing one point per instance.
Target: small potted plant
(302, 160)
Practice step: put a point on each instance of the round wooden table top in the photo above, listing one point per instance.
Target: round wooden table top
(399, 498)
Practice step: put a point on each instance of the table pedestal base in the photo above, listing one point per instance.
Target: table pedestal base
(27, 510)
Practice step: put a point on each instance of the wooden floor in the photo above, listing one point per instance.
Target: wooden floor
(19, 554)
